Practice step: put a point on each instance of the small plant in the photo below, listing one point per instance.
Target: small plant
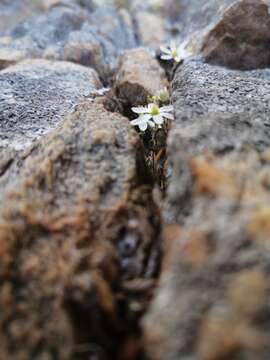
(161, 97)
(177, 53)
(152, 115)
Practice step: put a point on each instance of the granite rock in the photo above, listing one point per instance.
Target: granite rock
(35, 94)
(212, 302)
(84, 41)
(11, 12)
(216, 110)
(231, 33)
(214, 281)
(78, 230)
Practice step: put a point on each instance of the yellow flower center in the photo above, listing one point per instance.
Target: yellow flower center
(174, 52)
(155, 110)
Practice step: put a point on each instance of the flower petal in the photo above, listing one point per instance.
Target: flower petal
(167, 108)
(146, 117)
(150, 107)
(143, 126)
(168, 116)
(141, 119)
(178, 59)
(151, 123)
(166, 57)
(136, 122)
(158, 119)
(165, 49)
(139, 109)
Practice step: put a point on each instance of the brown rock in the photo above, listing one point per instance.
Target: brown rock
(240, 40)
(139, 76)
(212, 302)
(231, 33)
(77, 229)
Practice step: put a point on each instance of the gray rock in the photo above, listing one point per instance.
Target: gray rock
(78, 227)
(217, 110)
(35, 95)
(11, 12)
(216, 251)
(71, 33)
(191, 17)
(151, 29)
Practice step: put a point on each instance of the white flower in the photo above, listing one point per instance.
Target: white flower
(174, 52)
(151, 115)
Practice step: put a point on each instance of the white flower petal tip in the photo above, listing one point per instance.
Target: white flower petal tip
(143, 126)
(139, 109)
(173, 52)
(158, 119)
(167, 108)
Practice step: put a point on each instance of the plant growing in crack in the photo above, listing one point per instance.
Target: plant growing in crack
(154, 115)
(177, 53)
(153, 122)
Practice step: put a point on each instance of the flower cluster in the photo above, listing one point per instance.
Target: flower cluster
(174, 52)
(152, 115)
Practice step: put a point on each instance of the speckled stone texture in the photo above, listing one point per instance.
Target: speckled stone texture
(240, 40)
(216, 110)
(11, 12)
(139, 77)
(83, 40)
(212, 302)
(77, 231)
(35, 95)
(231, 33)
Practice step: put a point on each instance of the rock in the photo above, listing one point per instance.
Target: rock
(212, 302)
(139, 76)
(84, 41)
(240, 39)
(195, 17)
(78, 234)
(35, 95)
(216, 110)
(217, 209)
(11, 12)
(87, 4)
(231, 33)
(151, 29)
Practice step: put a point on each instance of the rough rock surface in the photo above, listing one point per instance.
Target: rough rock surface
(139, 76)
(84, 40)
(35, 95)
(13, 11)
(218, 206)
(77, 230)
(231, 33)
(216, 110)
(192, 17)
(240, 40)
(150, 29)
(212, 302)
